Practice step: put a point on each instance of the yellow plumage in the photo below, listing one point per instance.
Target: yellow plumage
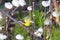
(27, 22)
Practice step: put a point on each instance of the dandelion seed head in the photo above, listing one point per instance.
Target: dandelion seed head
(29, 8)
(19, 37)
(8, 5)
(54, 14)
(2, 36)
(15, 3)
(39, 32)
(46, 3)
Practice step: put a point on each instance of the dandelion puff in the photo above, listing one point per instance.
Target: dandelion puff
(47, 22)
(29, 8)
(39, 32)
(2, 36)
(46, 3)
(40, 29)
(22, 3)
(8, 5)
(15, 3)
(19, 37)
(54, 14)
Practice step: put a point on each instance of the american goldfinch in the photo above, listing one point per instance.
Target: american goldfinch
(27, 22)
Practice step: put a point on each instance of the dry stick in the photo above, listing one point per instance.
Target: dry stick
(32, 23)
(14, 11)
(31, 36)
(34, 26)
(12, 15)
(9, 35)
(50, 29)
(56, 9)
(6, 24)
(51, 10)
(44, 33)
(33, 10)
(9, 24)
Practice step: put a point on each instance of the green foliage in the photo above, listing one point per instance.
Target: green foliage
(39, 18)
(55, 34)
(2, 22)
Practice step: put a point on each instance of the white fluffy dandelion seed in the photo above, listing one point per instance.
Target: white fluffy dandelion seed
(39, 32)
(8, 5)
(15, 3)
(54, 14)
(19, 37)
(47, 22)
(29, 8)
(46, 3)
(2, 36)
(22, 3)
(40, 29)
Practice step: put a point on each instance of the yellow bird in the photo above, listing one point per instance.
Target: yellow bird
(27, 22)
